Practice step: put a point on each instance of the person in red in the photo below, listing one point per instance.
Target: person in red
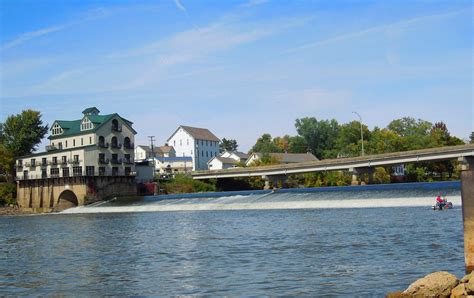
(440, 202)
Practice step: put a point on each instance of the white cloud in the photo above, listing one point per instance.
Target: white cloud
(375, 29)
(179, 5)
(33, 34)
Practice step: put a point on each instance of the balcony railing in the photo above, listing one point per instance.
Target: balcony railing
(103, 161)
(53, 163)
(127, 161)
(63, 163)
(116, 161)
(103, 145)
(74, 161)
(128, 146)
(44, 164)
(116, 128)
(116, 146)
(84, 173)
(51, 148)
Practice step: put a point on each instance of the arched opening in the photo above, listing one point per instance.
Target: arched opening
(101, 141)
(126, 143)
(67, 199)
(115, 125)
(114, 142)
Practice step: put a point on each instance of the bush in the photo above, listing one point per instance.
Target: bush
(185, 184)
(7, 193)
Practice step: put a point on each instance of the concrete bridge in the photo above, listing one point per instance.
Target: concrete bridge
(355, 165)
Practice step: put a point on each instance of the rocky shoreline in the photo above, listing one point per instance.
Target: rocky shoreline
(439, 284)
(12, 210)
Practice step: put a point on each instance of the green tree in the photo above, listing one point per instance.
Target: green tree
(21, 135)
(297, 144)
(471, 138)
(265, 144)
(348, 142)
(23, 132)
(319, 135)
(228, 145)
(416, 134)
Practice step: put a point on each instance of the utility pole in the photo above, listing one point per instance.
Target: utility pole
(152, 139)
(361, 132)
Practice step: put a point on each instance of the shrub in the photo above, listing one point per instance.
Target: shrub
(7, 193)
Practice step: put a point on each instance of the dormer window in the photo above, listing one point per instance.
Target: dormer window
(56, 129)
(86, 124)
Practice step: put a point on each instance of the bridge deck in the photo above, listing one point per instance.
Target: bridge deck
(433, 154)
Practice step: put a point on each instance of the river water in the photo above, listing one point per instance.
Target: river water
(333, 241)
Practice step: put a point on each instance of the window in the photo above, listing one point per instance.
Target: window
(74, 143)
(187, 142)
(128, 171)
(101, 171)
(207, 153)
(191, 152)
(115, 171)
(55, 161)
(76, 158)
(60, 146)
(33, 162)
(56, 129)
(207, 143)
(77, 171)
(181, 142)
(66, 143)
(63, 160)
(43, 161)
(90, 140)
(89, 171)
(82, 141)
(44, 173)
(202, 153)
(66, 172)
(86, 124)
(54, 172)
(20, 163)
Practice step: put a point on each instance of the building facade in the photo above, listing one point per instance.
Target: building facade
(227, 159)
(143, 152)
(95, 145)
(198, 143)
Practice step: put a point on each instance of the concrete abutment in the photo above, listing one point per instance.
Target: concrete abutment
(467, 194)
(54, 194)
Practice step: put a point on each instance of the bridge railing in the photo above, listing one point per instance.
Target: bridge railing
(96, 173)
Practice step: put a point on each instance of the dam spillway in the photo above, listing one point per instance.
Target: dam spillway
(371, 196)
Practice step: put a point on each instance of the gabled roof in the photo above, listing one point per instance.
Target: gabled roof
(197, 133)
(91, 111)
(160, 149)
(72, 128)
(166, 149)
(241, 155)
(227, 160)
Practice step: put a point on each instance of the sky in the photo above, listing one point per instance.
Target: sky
(239, 68)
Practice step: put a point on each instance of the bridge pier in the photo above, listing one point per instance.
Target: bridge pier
(358, 172)
(467, 196)
(274, 180)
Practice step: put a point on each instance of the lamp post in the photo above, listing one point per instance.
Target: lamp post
(361, 132)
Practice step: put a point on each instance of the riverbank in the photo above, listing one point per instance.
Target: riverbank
(12, 210)
(438, 284)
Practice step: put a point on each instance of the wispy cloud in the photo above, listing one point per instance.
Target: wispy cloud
(179, 5)
(33, 34)
(252, 3)
(375, 29)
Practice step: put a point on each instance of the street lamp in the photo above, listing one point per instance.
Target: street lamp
(361, 132)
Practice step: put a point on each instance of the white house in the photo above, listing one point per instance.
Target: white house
(95, 145)
(284, 158)
(198, 143)
(143, 152)
(172, 165)
(227, 159)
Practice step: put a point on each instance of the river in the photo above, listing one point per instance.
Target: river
(332, 241)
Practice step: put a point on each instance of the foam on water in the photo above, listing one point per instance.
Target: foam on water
(287, 199)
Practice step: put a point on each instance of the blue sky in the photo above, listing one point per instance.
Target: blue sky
(239, 68)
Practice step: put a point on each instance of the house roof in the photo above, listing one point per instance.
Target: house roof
(92, 110)
(198, 133)
(160, 149)
(241, 155)
(175, 159)
(72, 128)
(166, 149)
(290, 157)
(227, 160)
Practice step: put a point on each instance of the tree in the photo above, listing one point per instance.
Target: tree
(415, 134)
(471, 138)
(23, 132)
(228, 145)
(265, 144)
(348, 142)
(319, 135)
